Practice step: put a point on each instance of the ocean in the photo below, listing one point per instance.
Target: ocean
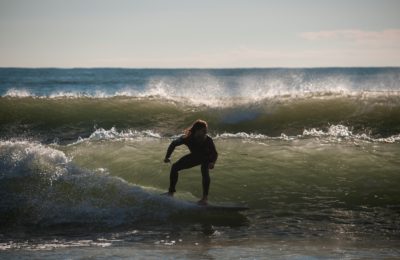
(313, 152)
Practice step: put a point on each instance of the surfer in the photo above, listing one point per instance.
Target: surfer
(202, 152)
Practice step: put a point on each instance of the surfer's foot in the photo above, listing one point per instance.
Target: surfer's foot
(169, 194)
(202, 202)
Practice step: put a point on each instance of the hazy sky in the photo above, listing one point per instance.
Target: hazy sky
(202, 33)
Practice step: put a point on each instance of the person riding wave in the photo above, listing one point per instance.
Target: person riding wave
(202, 152)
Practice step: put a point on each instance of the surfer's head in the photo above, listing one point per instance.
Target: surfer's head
(197, 130)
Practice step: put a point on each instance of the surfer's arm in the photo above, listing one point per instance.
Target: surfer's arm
(174, 143)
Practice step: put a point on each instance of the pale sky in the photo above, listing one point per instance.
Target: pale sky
(199, 34)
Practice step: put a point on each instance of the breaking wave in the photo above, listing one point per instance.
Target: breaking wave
(40, 185)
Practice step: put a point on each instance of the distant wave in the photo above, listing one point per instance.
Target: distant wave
(201, 98)
(212, 88)
(376, 115)
(200, 84)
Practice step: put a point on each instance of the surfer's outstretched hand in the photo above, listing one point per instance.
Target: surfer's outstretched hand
(211, 165)
(167, 160)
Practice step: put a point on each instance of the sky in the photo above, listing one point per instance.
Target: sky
(199, 34)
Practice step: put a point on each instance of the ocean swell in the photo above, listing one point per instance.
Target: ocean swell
(65, 119)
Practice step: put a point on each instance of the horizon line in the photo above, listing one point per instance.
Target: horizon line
(199, 68)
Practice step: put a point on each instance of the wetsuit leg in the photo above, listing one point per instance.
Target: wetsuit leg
(205, 178)
(187, 161)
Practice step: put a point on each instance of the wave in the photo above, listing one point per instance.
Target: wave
(204, 97)
(201, 86)
(49, 186)
(40, 185)
(377, 116)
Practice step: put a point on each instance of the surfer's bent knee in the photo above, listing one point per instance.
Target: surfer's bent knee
(175, 167)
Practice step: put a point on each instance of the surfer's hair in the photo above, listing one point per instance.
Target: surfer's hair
(198, 124)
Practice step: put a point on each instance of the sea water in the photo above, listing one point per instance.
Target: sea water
(314, 154)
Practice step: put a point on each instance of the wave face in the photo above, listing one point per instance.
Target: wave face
(67, 119)
(290, 186)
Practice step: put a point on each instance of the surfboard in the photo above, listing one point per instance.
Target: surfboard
(216, 207)
(222, 207)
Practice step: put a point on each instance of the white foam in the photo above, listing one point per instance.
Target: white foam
(114, 134)
(334, 130)
(241, 135)
(339, 132)
(13, 92)
(54, 244)
(17, 156)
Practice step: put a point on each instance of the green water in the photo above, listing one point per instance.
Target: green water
(296, 184)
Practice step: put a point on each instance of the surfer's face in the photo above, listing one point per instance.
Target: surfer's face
(200, 134)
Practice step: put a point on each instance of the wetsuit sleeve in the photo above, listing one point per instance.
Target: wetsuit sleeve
(213, 151)
(174, 143)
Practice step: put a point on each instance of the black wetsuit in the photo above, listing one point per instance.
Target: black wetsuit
(200, 154)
